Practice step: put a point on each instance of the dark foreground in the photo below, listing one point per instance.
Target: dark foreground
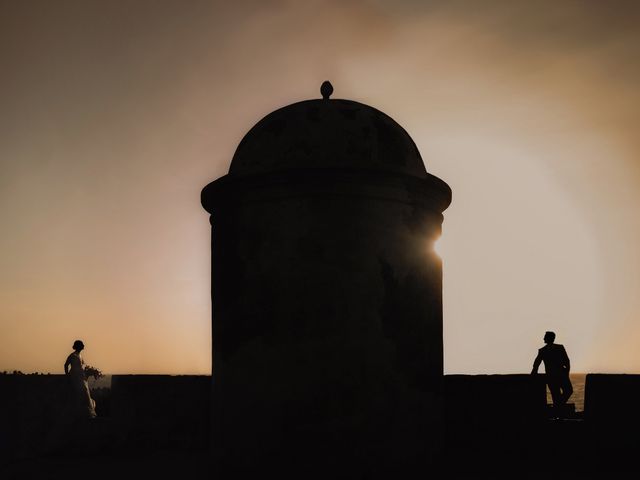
(158, 426)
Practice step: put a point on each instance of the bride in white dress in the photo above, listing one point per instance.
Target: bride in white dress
(74, 369)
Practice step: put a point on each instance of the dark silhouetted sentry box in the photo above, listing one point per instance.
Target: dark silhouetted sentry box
(327, 295)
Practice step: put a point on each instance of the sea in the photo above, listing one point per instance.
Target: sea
(102, 382)
(577, 381)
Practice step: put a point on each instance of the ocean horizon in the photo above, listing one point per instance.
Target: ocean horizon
(577, 398)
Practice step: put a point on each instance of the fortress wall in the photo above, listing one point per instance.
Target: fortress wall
(483, 413)
(489, 414)
(605, 393)
(612, 417)
(139, 411)
(161, 411)
(477, 397)
(611, 411)
(30, 406)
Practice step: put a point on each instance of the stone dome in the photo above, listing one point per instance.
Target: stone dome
(327, 133)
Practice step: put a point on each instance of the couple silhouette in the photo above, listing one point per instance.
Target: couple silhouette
(557, 367)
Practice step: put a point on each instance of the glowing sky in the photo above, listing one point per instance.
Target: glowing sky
(116, 114)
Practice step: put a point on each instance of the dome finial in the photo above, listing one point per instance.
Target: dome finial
(326, 89)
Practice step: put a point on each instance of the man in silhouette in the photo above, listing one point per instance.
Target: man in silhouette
(557, 366)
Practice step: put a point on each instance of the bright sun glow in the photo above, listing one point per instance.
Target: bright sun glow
(437, 247)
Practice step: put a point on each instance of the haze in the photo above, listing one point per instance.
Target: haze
(116, 114)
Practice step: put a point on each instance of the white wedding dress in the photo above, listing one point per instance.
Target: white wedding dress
(84, 404)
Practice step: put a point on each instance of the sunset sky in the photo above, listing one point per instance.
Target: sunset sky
(114, 115)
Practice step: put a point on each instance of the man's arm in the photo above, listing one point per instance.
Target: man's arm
(536, 364)
(567, 363)
(66, 365)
